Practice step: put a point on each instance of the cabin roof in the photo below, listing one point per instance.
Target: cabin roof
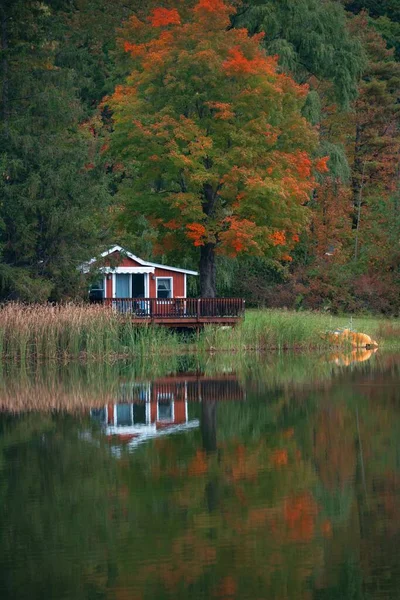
(142, 262)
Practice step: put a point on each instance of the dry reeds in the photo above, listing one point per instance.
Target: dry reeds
(46, 331)
(71, 331)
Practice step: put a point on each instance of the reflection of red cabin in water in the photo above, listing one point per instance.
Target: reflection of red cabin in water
(146, 410)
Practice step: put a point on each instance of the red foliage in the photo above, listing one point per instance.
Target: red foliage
(278, 238)
(223, 110)
(239, 64)
(198, 466)
(321, 165)
(172, 224)
(299, 513)
(280, 458)
(213, 7)
(135, 49)
(197, 233)
(162, 17)
(239, 236)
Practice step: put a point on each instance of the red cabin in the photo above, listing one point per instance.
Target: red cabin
(150, 292)
(128, 276)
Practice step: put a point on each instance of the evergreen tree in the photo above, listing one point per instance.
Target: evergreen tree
(52, 194)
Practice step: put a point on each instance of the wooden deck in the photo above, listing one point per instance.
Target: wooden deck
(180, 312)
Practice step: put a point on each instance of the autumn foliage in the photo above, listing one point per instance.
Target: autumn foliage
(212, 136)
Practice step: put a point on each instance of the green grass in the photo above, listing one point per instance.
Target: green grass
(283, 330)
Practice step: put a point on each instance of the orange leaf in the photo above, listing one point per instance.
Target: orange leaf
(321, 165)
(196, 232)
(161, 17)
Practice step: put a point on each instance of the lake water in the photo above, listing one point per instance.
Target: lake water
(251, 479)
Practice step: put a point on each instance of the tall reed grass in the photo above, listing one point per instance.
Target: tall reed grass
(71, 331)
(74, 331)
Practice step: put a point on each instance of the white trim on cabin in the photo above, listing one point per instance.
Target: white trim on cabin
(142, 262)
(186, 403)
(134, 429)
(128, 270)
(148, 432)
(167, 268)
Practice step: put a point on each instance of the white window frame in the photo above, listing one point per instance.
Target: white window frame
(105, 287)
(166, 396)
(172, 288)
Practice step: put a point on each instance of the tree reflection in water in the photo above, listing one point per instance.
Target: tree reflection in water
(286, 488)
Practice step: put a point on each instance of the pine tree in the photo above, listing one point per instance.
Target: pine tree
(52, 193)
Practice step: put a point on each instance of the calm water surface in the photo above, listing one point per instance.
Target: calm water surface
(253, 479)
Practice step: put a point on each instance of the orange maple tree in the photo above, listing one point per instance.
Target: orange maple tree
(212, 138)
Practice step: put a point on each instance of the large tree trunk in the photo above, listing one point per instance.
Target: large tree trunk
(207, 271)
(357, 178)
(208, 284)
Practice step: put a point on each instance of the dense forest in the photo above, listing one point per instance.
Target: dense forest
(302, 142)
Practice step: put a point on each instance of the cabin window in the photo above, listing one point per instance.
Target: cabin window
(164, 287)
(124, 415)
(165, 407)
(96, 292)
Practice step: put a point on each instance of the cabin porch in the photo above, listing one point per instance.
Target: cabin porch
(180, 312)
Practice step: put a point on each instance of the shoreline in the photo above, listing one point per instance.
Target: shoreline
(87, 333)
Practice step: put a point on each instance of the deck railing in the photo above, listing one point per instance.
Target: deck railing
(178, 308)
